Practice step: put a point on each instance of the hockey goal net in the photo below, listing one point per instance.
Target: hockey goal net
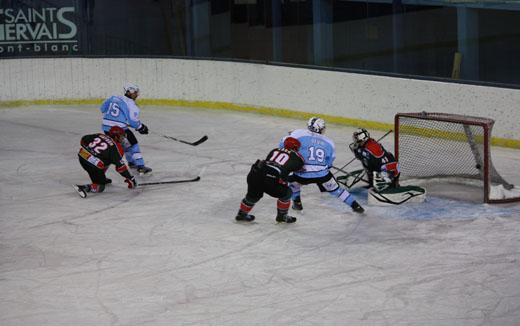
(440, 146)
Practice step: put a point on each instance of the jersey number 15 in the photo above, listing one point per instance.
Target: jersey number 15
(113, 109)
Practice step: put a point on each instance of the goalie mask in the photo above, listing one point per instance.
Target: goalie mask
(316, 125)
(360, 136)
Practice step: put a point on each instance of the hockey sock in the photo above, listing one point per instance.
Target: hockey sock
(246, 206)
(283, 209)
(95, 188)
(343, 195)
(283, 205)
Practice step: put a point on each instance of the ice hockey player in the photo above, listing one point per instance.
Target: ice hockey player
(382, 170)
(380, 165)
(319, 153)
(96, 154)
(270, 176)
(122, 111)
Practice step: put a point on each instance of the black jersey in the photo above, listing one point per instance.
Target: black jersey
(280, 162)
(101, 151)
(375, 157)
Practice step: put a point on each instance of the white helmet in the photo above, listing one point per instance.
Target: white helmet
(131, 88)
(316, 124)
(360, 136)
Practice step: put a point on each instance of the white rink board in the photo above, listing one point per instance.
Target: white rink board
(356, 96)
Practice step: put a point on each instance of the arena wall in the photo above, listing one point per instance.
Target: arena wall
(347, 98)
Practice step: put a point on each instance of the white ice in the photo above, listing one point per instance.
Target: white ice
(173, 255)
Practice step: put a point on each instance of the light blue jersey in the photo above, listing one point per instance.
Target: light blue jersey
(120, 111)
(318, 151)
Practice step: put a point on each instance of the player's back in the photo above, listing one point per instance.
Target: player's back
(115, 112)
(286, 160)
(102, 147)
(318, 152)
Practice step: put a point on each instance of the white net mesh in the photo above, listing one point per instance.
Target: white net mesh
(440, 145)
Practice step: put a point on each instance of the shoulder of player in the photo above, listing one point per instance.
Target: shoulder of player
(298, 155)
(129, 102)
(299, 133)
(113, 145)
(374, 148)
(328, 140)
(324, 140)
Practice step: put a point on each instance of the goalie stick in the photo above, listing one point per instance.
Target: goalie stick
(195, 143)
(351, 178)
(197, 178)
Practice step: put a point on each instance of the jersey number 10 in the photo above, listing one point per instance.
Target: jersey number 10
(279, 157)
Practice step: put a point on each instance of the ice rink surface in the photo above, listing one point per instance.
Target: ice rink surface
(173, 255)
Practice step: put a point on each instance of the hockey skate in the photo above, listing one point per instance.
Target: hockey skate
(143, 170)
(244, 217)
(297, 204)
(357, 208)
(81, 190)
(285, 218)
(108, 181)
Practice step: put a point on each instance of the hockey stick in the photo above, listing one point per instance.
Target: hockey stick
(195, 143)
(356, 176)
(352, 160)
(197, 178)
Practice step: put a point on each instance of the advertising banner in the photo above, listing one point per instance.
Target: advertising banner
(40, 28)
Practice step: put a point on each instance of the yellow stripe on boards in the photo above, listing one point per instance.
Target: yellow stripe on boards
(371, 125)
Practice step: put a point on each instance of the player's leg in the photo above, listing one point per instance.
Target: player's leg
(254, 194)
(295, 184)
(282, 208)
(330, 185)
(97, 176)
(283, 192)
(296, 196)
(133, 154)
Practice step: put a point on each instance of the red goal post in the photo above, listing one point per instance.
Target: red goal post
(440, 146)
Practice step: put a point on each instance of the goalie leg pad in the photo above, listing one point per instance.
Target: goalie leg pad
(397, 196)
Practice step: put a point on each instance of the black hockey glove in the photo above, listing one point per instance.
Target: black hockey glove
(143, 130)
(131, 182)
(353, 146)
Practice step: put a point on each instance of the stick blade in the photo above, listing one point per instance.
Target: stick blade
(200, 141)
